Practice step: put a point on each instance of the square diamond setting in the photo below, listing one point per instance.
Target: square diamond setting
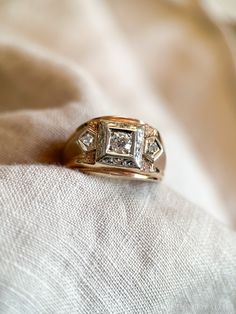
(120, 144)
(153, 148)
(86, 140)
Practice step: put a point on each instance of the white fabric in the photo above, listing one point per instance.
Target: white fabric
(72, 243)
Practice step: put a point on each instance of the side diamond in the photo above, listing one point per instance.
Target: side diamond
(153, 148)
(86, 140)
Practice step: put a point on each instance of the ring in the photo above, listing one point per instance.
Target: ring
(116, 146)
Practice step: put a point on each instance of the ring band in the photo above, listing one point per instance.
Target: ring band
(116, 146)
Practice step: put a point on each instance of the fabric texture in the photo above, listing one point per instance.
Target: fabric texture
(76, 243)
(81, 244)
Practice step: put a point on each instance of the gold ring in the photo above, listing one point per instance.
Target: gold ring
(116, 146)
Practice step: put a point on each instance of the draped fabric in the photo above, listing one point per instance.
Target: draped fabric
(76, 243)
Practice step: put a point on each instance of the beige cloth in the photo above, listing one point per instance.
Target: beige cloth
(72, 243)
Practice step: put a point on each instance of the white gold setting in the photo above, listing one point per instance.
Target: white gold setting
(121, 144)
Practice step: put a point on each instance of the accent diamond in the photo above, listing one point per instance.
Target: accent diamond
(153, 148)
(86, 140)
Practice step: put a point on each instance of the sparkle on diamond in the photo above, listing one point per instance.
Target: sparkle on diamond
(153, 148)
(120, 141)
(87, 139)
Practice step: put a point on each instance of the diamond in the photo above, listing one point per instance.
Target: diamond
(120, 141)
(128, 163)
(108, 160)
(153, 148)
(87, 140)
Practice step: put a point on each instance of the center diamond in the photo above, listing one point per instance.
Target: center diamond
(120, 141)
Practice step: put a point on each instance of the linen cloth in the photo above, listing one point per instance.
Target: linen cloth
(75, 243)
